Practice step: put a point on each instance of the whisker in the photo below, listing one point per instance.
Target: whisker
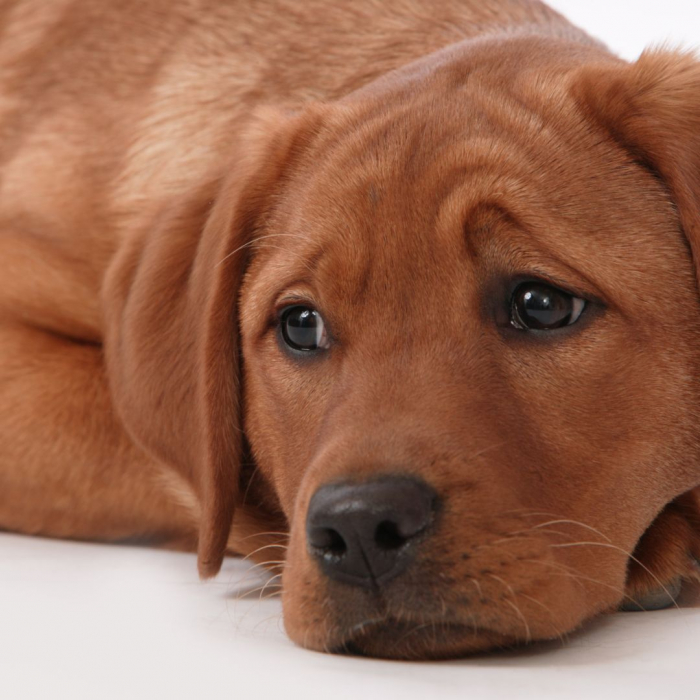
(617, 590)
(570, 572)
(253, 474)
(264, 534)
(410, 632)
(269, 565)
(255, 241)
(287, 251)
(547, 609)
(510, 538)
(273, 578)
(277, 616)
(572, 522)
(553, 532)
(266, 563)
(514, 605)
(478, 587)
(247, 593)
(267, 546)
(627, 554)
(528, 635)
(564, 571)
(481, 453)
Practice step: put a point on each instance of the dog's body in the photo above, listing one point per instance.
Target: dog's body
(147, 148)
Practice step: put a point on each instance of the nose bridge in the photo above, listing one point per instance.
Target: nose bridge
(404, 414)
(421, 410)
(419, 390)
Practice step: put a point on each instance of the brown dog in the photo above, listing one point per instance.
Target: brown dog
(414, 285)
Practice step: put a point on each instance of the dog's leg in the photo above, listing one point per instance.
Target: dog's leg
(67, 469)
(667, 556)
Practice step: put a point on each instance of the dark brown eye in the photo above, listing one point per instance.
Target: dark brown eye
(537, 306)
(303, 329)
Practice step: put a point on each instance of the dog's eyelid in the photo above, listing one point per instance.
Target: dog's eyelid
(572, 288)
(299, 295)
(294, 300)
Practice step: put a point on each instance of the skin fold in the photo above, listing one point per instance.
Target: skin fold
(174, 175)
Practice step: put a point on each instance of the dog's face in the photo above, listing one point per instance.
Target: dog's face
(492, 312)
(469, 332)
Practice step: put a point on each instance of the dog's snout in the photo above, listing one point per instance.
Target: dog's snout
(365, 534)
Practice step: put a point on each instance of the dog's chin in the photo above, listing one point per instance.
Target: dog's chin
(390, 638)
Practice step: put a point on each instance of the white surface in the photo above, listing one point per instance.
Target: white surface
(628, 26)
(87, 621)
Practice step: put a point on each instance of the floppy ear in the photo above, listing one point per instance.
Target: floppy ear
(652, 108)
(171, 341)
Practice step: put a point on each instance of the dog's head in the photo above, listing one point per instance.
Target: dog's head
(450, 327)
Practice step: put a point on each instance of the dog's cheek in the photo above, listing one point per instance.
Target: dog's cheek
(507, 574)
(285, 403)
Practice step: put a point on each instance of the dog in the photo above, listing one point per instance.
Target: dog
(399, 301)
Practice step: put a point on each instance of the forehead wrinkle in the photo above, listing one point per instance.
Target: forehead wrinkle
(533, 189)
(417, 143)
(472, 188)
(369, 240)
(480, 201)
(379, 150)
(375, 263)
(400, 149)
(402, 129)
(399, 134)
(336, 253)
(577, 216)
(517, 244)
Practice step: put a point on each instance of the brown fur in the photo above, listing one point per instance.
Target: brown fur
(172, 171)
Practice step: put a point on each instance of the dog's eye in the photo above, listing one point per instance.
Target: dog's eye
(303, 329)
(537, 306)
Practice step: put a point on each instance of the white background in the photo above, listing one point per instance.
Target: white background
(629, 26)
(99, 622)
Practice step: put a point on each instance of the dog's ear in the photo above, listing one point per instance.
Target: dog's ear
(171, 339)
(652, 109)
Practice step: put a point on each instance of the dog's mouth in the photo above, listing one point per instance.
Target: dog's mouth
(394, 638)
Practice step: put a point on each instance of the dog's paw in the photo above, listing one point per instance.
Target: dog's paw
(666, 564)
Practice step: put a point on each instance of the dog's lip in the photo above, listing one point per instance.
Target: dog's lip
(361, 639)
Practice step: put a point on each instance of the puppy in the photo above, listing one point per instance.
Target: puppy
(400, 301)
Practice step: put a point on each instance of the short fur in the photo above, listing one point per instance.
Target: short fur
(173, 172)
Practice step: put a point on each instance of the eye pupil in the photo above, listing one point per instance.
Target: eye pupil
(303, 328)
(541, 307)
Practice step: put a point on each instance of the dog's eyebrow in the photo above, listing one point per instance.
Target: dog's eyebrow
(354, 278)
(482, 215)
(310, 260)
(293, 292)
(486, 214)
(301, 279)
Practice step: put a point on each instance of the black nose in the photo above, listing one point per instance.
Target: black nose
(365, 534)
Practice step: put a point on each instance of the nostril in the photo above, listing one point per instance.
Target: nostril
(387, 536)
(327, 540)
(365, 534)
